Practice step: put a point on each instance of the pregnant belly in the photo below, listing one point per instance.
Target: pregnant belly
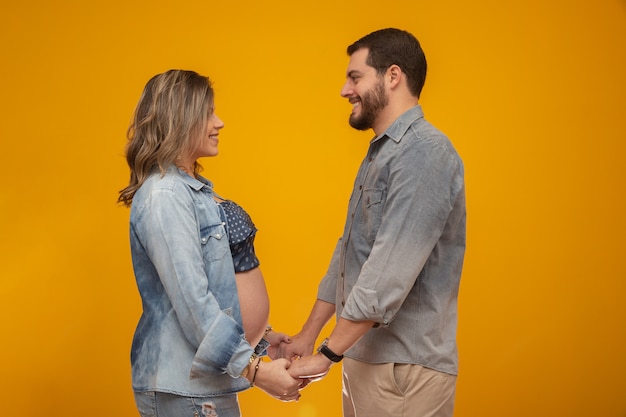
(254, 302)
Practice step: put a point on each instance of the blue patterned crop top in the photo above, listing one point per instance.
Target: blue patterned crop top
(241, 232)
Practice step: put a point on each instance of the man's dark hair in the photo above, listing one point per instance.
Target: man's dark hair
(394, 46)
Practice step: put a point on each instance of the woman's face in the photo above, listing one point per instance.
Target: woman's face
(209, 141)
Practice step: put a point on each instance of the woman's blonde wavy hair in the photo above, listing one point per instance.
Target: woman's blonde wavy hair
(168, 122)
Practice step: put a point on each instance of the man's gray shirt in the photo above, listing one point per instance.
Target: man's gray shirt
(400, 258)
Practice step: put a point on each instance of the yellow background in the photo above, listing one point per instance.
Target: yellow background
(532, 94)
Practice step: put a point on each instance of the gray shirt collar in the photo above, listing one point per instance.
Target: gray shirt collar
(399, 127)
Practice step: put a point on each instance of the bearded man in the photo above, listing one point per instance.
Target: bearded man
(393, 280)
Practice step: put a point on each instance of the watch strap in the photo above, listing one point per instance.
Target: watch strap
(326, 351)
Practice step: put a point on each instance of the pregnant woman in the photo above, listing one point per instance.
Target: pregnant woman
(199, 340)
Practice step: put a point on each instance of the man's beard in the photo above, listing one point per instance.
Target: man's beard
(372, 102)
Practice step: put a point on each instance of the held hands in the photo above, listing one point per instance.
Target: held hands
(310, 368)
(292, 367)
(304, 366)
(299, 345)
(273, 378)
(276, 340)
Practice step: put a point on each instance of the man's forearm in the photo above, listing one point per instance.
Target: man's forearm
(321, 312)
(346, 333)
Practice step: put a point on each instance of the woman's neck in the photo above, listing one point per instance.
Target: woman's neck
(187, 166)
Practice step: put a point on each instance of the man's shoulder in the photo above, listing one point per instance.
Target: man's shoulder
(422, 137)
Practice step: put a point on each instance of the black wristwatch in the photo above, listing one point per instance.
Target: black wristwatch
(325, 350)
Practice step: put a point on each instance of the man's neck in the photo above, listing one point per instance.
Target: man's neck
(391, 113)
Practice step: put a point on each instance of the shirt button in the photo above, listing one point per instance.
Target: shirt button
(360, 187)
(204, 239)
(218, 235)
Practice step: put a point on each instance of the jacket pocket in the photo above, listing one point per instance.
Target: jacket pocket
(214, 241)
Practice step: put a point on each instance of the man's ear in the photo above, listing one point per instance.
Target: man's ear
(394, 74)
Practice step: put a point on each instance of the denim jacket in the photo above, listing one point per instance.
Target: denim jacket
(189, 339)
(400, 258)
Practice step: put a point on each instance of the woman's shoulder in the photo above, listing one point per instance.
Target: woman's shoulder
(159, 185)
(160, 181)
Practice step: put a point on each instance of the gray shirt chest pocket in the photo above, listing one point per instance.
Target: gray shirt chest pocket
(372, 211)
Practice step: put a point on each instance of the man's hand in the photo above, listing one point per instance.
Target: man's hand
(303, 343)
(300, 345)
(310, 368)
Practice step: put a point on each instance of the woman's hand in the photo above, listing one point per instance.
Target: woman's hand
(275, 339)
(273, 378)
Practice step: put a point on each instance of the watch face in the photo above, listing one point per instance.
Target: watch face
(319, 349)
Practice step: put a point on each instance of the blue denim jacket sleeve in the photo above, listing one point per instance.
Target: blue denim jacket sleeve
(191, 257)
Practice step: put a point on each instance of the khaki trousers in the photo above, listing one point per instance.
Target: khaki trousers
(396, 390)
